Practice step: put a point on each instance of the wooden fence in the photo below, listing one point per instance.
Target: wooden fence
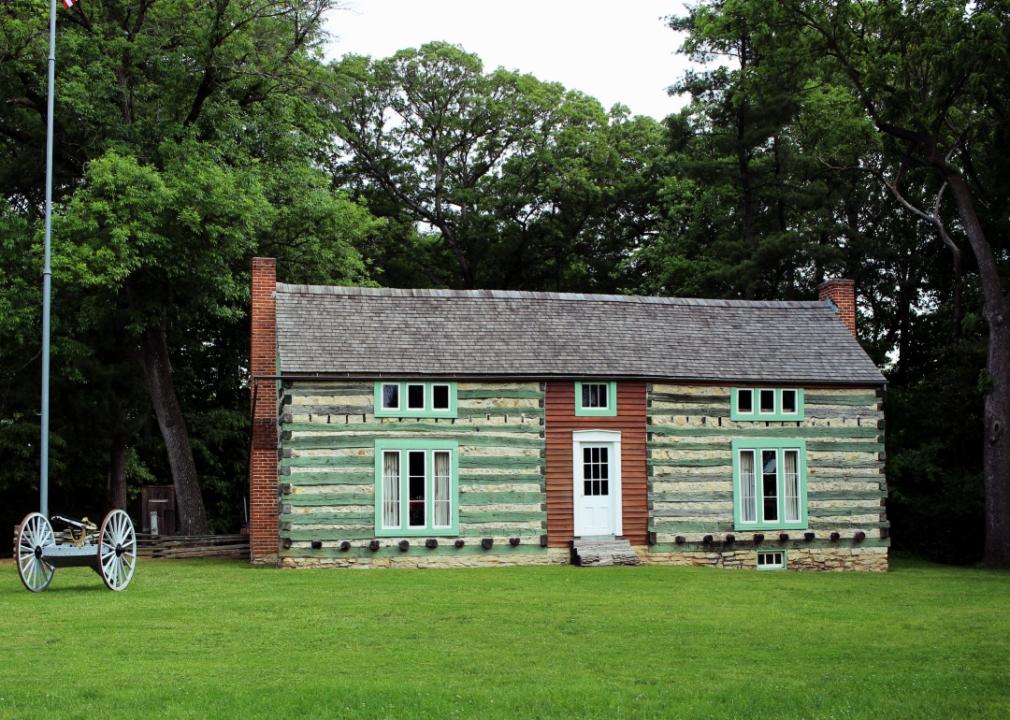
(193, 546)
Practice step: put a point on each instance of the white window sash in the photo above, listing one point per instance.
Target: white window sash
(790, 480)
(391, 518)
(442, 488)
(748, 487)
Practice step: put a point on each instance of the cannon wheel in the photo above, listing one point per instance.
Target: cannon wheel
(35, 534)
(117, 550)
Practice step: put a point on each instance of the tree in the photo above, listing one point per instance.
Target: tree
(750, 211)
(189, 136)
(502, 178)
(932, 78)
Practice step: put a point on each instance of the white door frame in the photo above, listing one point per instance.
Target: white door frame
(592, 437)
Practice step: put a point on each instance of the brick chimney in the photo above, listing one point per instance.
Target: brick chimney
(842, 293)
(263, 529)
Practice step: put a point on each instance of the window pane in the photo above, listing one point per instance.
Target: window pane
(596, 470)
(390, 396)
(767, 401)
(391, 489)
(415, 489)
(748, 501)
(791, 485)
(415, 397)
(442, 497)
(587, 487)
(745, 401)
(440, 397)
(789, 401)
(769, 484)
(594, 395)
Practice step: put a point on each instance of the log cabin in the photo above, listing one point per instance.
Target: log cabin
(445, 428)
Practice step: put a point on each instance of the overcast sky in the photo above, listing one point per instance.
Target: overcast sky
(616, 52)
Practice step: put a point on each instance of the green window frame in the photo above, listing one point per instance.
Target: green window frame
(610, 410)
(757, 505)
(739, 410)
(394, 462)
(406, 394)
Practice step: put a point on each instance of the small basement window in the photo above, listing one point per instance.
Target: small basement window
(775, 560)
(596, 399)
(415, 399)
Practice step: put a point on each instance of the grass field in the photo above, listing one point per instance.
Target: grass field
(206, 639)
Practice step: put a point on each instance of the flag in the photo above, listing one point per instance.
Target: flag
(69, 3)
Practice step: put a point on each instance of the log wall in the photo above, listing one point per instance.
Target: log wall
(690, 481)
(327, 475)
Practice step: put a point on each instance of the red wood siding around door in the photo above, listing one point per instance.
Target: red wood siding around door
(560, 421)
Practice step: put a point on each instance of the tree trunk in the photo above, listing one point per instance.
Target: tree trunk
(158, 375)
(996, 448)
(116, 491)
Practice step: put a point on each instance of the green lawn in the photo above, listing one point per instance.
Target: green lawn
(197, 639)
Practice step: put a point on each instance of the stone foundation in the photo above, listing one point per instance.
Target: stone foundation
(869, 559)
(549, 556)
(823, 559)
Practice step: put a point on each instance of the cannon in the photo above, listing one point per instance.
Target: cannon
(109, 549)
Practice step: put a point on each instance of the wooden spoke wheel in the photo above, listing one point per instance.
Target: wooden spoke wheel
(35, 535)
(117, 550)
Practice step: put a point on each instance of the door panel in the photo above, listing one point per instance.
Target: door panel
(594, 492)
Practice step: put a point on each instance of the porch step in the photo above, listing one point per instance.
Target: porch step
(602, 550)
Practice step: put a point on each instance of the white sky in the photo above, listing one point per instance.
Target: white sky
(614, 51)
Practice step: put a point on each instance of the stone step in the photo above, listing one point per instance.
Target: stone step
(602, 551)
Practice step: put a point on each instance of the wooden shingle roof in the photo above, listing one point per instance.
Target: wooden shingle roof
(381, 332)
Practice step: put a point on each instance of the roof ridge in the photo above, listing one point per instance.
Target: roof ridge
(352, 291)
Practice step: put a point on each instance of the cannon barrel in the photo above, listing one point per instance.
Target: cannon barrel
(77, 524)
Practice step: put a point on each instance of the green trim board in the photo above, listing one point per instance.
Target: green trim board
(778, 445)
(738, 408)
(406, 392)
(611, 408)
(429, 448)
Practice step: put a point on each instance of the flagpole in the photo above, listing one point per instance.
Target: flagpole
(47, 270)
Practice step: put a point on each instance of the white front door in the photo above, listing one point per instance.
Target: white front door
(596, 459)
